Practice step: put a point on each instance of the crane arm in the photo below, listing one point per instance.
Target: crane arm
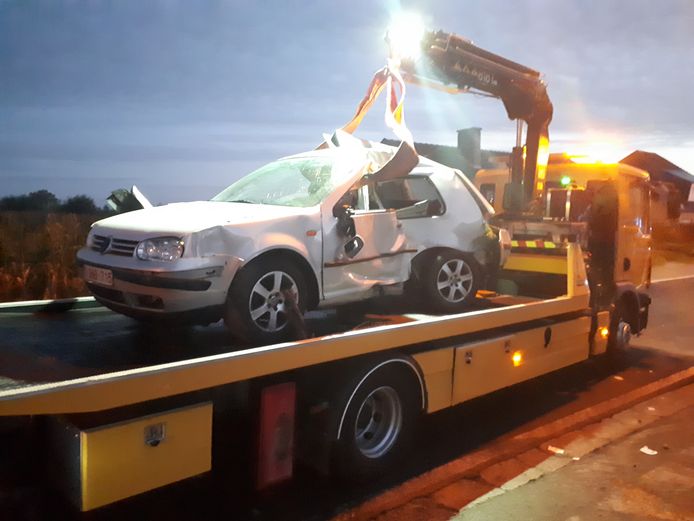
(448, 59)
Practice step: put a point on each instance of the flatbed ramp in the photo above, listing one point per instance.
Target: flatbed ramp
(38, 348)
(91, 360)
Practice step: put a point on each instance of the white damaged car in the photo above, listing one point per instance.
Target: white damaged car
(322, 228)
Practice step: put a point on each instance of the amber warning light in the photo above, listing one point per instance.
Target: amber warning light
(517, 359)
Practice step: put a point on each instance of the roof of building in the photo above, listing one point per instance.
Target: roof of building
(656, 165)
(451, 156)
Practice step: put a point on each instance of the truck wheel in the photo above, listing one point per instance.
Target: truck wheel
(266, 301)
(451, 281)
(377, 423)
(620, 335)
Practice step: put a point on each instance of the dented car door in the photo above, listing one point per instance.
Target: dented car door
(361, 250)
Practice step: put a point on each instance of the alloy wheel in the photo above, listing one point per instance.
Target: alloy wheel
(269, 304)
(454, 280)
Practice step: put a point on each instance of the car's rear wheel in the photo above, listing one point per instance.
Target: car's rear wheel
(266, 301)
(450, 281)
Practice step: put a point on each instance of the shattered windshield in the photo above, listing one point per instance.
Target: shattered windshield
(297, 181)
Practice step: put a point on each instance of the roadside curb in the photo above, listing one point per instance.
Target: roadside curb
(507, 447)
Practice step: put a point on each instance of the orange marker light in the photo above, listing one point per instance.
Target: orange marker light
(604, 332)
(517, 358)
(311, 233)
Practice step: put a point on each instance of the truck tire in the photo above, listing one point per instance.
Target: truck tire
(266, 301)
(619, 336)
(377, 422)
(451, 280)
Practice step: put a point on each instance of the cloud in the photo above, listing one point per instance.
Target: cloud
(162, 91)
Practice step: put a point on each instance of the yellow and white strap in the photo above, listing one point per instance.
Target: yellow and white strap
(388, 78)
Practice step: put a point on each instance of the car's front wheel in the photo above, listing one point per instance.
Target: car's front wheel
(266, 301)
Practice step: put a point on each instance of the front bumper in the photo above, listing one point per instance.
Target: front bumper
(190, 285)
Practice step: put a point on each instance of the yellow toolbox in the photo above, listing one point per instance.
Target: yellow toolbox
(100, 465)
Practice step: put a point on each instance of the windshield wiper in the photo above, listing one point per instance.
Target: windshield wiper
(242, 201)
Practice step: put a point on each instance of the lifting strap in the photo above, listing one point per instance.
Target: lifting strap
(387, 78)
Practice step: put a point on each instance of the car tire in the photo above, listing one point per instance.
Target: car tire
(377, 423)
(266, 302)
(450, 281)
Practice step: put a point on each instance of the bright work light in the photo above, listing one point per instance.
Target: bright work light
(565, 180)
(405, 35)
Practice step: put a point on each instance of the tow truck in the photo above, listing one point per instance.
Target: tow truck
(343, 402)
(568, 199)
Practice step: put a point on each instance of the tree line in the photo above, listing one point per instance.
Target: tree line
(39, 237)
(46, 202)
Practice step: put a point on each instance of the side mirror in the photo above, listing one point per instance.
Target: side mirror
(513, 197)
(353, 246)
(339, 210)
(123, 200)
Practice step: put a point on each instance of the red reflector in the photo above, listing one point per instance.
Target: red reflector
(276, 434)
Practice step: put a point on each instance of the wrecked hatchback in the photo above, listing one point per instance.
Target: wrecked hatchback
(323, 228)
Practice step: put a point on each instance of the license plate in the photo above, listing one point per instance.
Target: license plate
(98, 275)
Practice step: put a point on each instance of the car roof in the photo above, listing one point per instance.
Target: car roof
(424, 167)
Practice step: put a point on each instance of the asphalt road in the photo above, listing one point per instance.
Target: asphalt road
(664, 349)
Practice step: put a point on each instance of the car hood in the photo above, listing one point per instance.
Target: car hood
(183, 218)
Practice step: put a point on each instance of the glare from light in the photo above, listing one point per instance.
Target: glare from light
(604, 332)
(588, 159)
(604, 149)
(565, 180)
(405, 35)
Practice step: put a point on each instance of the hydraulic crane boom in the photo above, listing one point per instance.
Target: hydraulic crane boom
(448, 59)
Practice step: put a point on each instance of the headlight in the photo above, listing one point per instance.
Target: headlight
(161, 248)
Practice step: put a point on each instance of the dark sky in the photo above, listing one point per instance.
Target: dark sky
(183, 97)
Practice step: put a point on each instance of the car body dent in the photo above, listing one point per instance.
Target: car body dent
(384, 259)
(277, 241)
(460, 225)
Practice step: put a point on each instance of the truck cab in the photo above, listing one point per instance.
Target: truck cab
(606, 209)
(606, 206)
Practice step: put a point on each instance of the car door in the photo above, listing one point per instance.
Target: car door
(418, 205)
(363, 249)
